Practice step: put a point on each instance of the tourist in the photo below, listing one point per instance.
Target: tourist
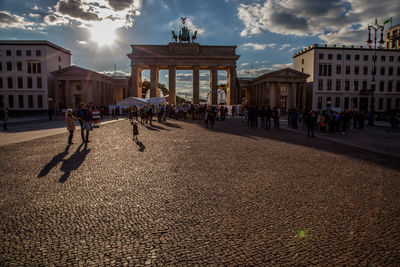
(268, 115)
(70, 122)
(262, 116)
(135, 131)
(311, 122)
(276, 116)
(84, 120)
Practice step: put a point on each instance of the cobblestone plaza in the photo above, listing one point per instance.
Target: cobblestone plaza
(187, 195)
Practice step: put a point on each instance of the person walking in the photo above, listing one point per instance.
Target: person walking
(268, 115)
(70, 122)
(84, 120)
(135, 131)
(311, 121)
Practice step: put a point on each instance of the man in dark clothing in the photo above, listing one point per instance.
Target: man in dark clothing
(311, 122)
(84, 119)
(268, 115)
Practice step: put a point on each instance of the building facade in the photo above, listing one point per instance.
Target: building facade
(75, 84)
(341, 77)
(392, 40)
(26, 82)
(285, 88)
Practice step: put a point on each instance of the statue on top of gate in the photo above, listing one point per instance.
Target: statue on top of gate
(184, 34)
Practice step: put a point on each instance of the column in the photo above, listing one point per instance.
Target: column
(267, 94)
(135, 82)
(172, 84)
(68, 94)
(214, 85)
(232, 91)
(292, 95)
(273, 94)
(196, 85)
(154, 82)
(278, 94)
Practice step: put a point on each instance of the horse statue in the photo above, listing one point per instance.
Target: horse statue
(184, 35)
(194, 37)
(174, 37)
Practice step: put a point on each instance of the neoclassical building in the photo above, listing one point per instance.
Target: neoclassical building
(184, 56)
(285, 88)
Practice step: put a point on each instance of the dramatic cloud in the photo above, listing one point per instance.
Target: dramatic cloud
(120, 4)
(8, 20)
(334, 21)
(55, 20)
(76, 9)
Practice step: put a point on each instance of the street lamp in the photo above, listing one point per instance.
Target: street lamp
(375, 28)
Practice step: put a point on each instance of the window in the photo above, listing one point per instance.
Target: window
(21, 101)
(347, 70)
(29, 82)
(348, 57)
(2, 101)
(337, 102)
(30, 101)
(388, 104)
(33, 67)
(39, 82)
(357, 57)
(330, 56)
(302, 61)
(40, 101)
(302, 69)
(38, 53)
(346, 103)
(355, 85)
(338, 69)
(391, 58)
(390, 71)
(59, 67)
(19, 66)
(320, 85)
(20, 82)
(365, 57)
(8, 53)
(390, 86)
(398, 58)
(59, 58)
(329, 85)
(382, 86)
(365, 85)
(11, 101)
(398, 71)
(365, 70)
(397, 103)
(19, 53)
(1, 82)
(355, 102)
(347, 85)
(319, 103)
(338, 83)
(29, 68)
(356, 70)
(39, 68)
(382, 70)
(10, 82)
(28, 53)
(325, 70)
(9, 66)
(1, 67)
(397, 86)
(321, 56)
(328, 102)
(380, 103)
(383, 58)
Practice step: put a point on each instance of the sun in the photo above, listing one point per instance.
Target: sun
(103, 33)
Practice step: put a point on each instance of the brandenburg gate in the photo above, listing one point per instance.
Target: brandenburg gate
(184, 55)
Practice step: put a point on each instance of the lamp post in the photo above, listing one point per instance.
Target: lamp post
(375, 28)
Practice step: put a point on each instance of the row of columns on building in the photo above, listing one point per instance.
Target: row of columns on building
(136, 79)
(269, 93)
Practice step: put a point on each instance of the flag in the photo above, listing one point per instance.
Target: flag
(388, 20)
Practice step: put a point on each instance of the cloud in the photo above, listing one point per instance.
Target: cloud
(177, 25)
(118, 72)
(81, 42)
(244, 64)
(32, 15)
(334, 21)
(55, 20)
(120, 4)
(76, 9)
(284, 46)
(254, 72)
(258, 46)
(9, 20)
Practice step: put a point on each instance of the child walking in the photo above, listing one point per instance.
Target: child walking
(135, 131)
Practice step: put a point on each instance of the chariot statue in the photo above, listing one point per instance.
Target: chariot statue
(184, 34)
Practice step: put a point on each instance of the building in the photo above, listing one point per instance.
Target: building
(285, 88)
(26, 82)
(392, 40)
(75, 84)
(341, 77)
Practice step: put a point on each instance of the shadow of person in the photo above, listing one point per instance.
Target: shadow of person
(141, 146)
(73, 162)
(53, 162)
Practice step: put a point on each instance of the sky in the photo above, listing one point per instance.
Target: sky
(266, 32)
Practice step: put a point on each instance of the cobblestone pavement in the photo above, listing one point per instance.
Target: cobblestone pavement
(188, 195)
